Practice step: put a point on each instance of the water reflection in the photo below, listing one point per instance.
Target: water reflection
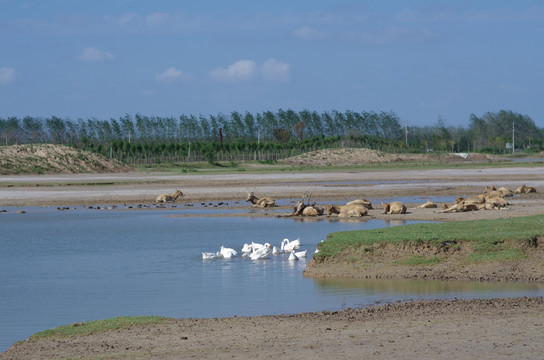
(395, 222)
(409, 286)
(363, 292)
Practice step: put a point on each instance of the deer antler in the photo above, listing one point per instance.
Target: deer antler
(308, 195)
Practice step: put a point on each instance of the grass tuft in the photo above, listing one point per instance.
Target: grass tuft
(97, 326)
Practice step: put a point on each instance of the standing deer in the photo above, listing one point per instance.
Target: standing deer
(260, 202)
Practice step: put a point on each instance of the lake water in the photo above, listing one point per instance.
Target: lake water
(61, 267)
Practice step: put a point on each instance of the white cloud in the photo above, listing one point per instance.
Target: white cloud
(170, 75)
(275, 70)
(242, 70)
(91, 54)
(7, 75)
(245, 70)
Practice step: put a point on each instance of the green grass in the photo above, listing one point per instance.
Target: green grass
(499, 255)
(96, 326)
(489, 239)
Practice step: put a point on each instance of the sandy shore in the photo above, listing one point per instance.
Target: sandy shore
(142, 188)
(474, 329)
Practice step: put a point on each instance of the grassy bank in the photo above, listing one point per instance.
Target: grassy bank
(488, 240)
(97, 326)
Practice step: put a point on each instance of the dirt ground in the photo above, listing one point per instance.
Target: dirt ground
(471, 329)
(449, 329)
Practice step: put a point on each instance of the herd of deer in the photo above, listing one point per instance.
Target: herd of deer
(492, 199)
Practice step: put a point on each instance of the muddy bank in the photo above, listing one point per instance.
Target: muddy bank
(385, 261)
(460, 329)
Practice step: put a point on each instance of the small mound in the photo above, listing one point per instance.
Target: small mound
(357, 156)
(54, 159)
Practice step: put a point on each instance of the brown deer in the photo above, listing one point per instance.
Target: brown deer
(260, 202)
(525, 189)
(353, 210)
(302, 209)
(461, 206)
(163, 198)
(361, 201)
(428, 205)
(395, 207)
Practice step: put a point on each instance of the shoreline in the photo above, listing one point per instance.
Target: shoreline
(426, 329)
(483, 329)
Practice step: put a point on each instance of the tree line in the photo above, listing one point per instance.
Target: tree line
(141, 138)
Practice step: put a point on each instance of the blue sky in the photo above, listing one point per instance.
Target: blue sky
(424, 60)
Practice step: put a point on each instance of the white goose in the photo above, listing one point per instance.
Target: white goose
(317, 247)
(228, 253)
(247, 248)
(261, 253)
(210, 255)
(256, 246)
(275, 251)
(287, 245)
(292, 256)
(301, 254)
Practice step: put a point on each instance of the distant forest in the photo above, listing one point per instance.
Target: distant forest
(268, 136)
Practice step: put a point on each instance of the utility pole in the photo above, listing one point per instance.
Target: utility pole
(513, 139)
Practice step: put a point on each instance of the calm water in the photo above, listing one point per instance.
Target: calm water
(60, 267)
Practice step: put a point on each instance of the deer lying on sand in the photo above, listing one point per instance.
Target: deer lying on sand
(361, 201)
(491, 200)
(494, 204)
(302, 209)
(163, 198)
(260, 202)
(353, 210)
(525, 189)
(395, 207)
(428, 205)
(503, 191)
(460, 206)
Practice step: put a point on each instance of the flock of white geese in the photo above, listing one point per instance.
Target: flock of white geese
(256, 251)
